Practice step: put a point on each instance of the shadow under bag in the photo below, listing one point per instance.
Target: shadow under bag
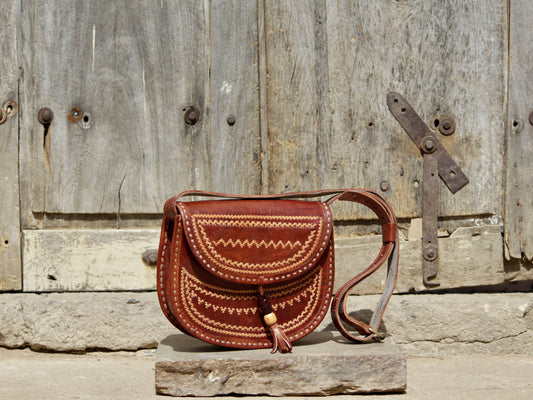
(254, 272)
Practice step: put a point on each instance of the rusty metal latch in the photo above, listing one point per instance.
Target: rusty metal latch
(437, 161)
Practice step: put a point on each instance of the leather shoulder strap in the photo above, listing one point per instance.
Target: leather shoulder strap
(389, 252)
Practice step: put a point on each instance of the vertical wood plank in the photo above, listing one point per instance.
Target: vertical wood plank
(297, 95)
(263, 98)
(10, 259)
(234, 87)
(519, 200)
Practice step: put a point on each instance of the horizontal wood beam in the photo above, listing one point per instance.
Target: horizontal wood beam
(111, 259)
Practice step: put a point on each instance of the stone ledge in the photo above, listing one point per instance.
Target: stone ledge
(421, 325)
(320, 364)
(455, 324)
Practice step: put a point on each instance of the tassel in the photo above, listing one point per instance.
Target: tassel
(280, 340)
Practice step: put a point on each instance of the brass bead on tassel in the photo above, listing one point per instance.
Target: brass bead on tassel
(270, 319)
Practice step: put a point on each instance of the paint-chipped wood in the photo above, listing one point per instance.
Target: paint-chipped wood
(111, 259)
(330, 66)
(134, 71)
(86, 260)
(10, 263)
(519, 199)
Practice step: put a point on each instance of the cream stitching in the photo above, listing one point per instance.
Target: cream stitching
(255, 243)
(222, 262)
(236, 330)
(314, 293)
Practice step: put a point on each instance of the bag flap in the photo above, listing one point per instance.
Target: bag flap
(256, 241)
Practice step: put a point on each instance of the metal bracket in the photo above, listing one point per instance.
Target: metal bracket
(437, 161)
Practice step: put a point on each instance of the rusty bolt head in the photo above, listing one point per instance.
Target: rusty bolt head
(75, 114)
(428, 144)
(3, 116)
(431, 253)
(45, 116)
(531, 118)
(447, 126)
(384, 186)
(231, 120)
(149, 257)
(192, 116)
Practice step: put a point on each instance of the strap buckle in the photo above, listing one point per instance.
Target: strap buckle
(378, 337)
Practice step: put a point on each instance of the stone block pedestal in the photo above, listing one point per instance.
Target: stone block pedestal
(323, 363)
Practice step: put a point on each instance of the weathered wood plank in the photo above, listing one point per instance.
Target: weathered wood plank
(297, 95)
(469, 257)
(263, 98)
(447, 58)
(235, 148)
(85, 260)
(110, 259)
(135, 70)
(10, 263)
(519, 200)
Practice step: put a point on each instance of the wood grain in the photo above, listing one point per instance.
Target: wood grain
(307, 89)
(519, 203)
(297, 95)
(235, 148)
(111, 259)
(136, 70)
(10, 262)
(328, 118)
(88, 259)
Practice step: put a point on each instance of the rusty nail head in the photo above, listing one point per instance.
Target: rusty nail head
(75, 114)
(192, 116)
(531, 117)
(447, 126)
(45, 116)
(231, 120)
(3, 116)
(384, 186)
(428, 144)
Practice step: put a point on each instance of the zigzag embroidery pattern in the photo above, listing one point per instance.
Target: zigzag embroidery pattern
(257, 224)
(255, 243)
(253, 268)
(217, 292)
(259, 217)
(225, 328)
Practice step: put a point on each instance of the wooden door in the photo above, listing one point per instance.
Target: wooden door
(289, 98)
(131, 71)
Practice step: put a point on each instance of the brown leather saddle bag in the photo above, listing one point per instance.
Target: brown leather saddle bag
(255, 272)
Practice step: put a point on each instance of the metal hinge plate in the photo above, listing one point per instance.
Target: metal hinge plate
(437, 161)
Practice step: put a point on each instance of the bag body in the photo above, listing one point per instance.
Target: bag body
(255, 272)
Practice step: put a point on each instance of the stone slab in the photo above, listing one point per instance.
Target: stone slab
(421, 325)
(323, 363)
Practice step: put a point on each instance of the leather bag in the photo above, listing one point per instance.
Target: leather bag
(254, 272)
